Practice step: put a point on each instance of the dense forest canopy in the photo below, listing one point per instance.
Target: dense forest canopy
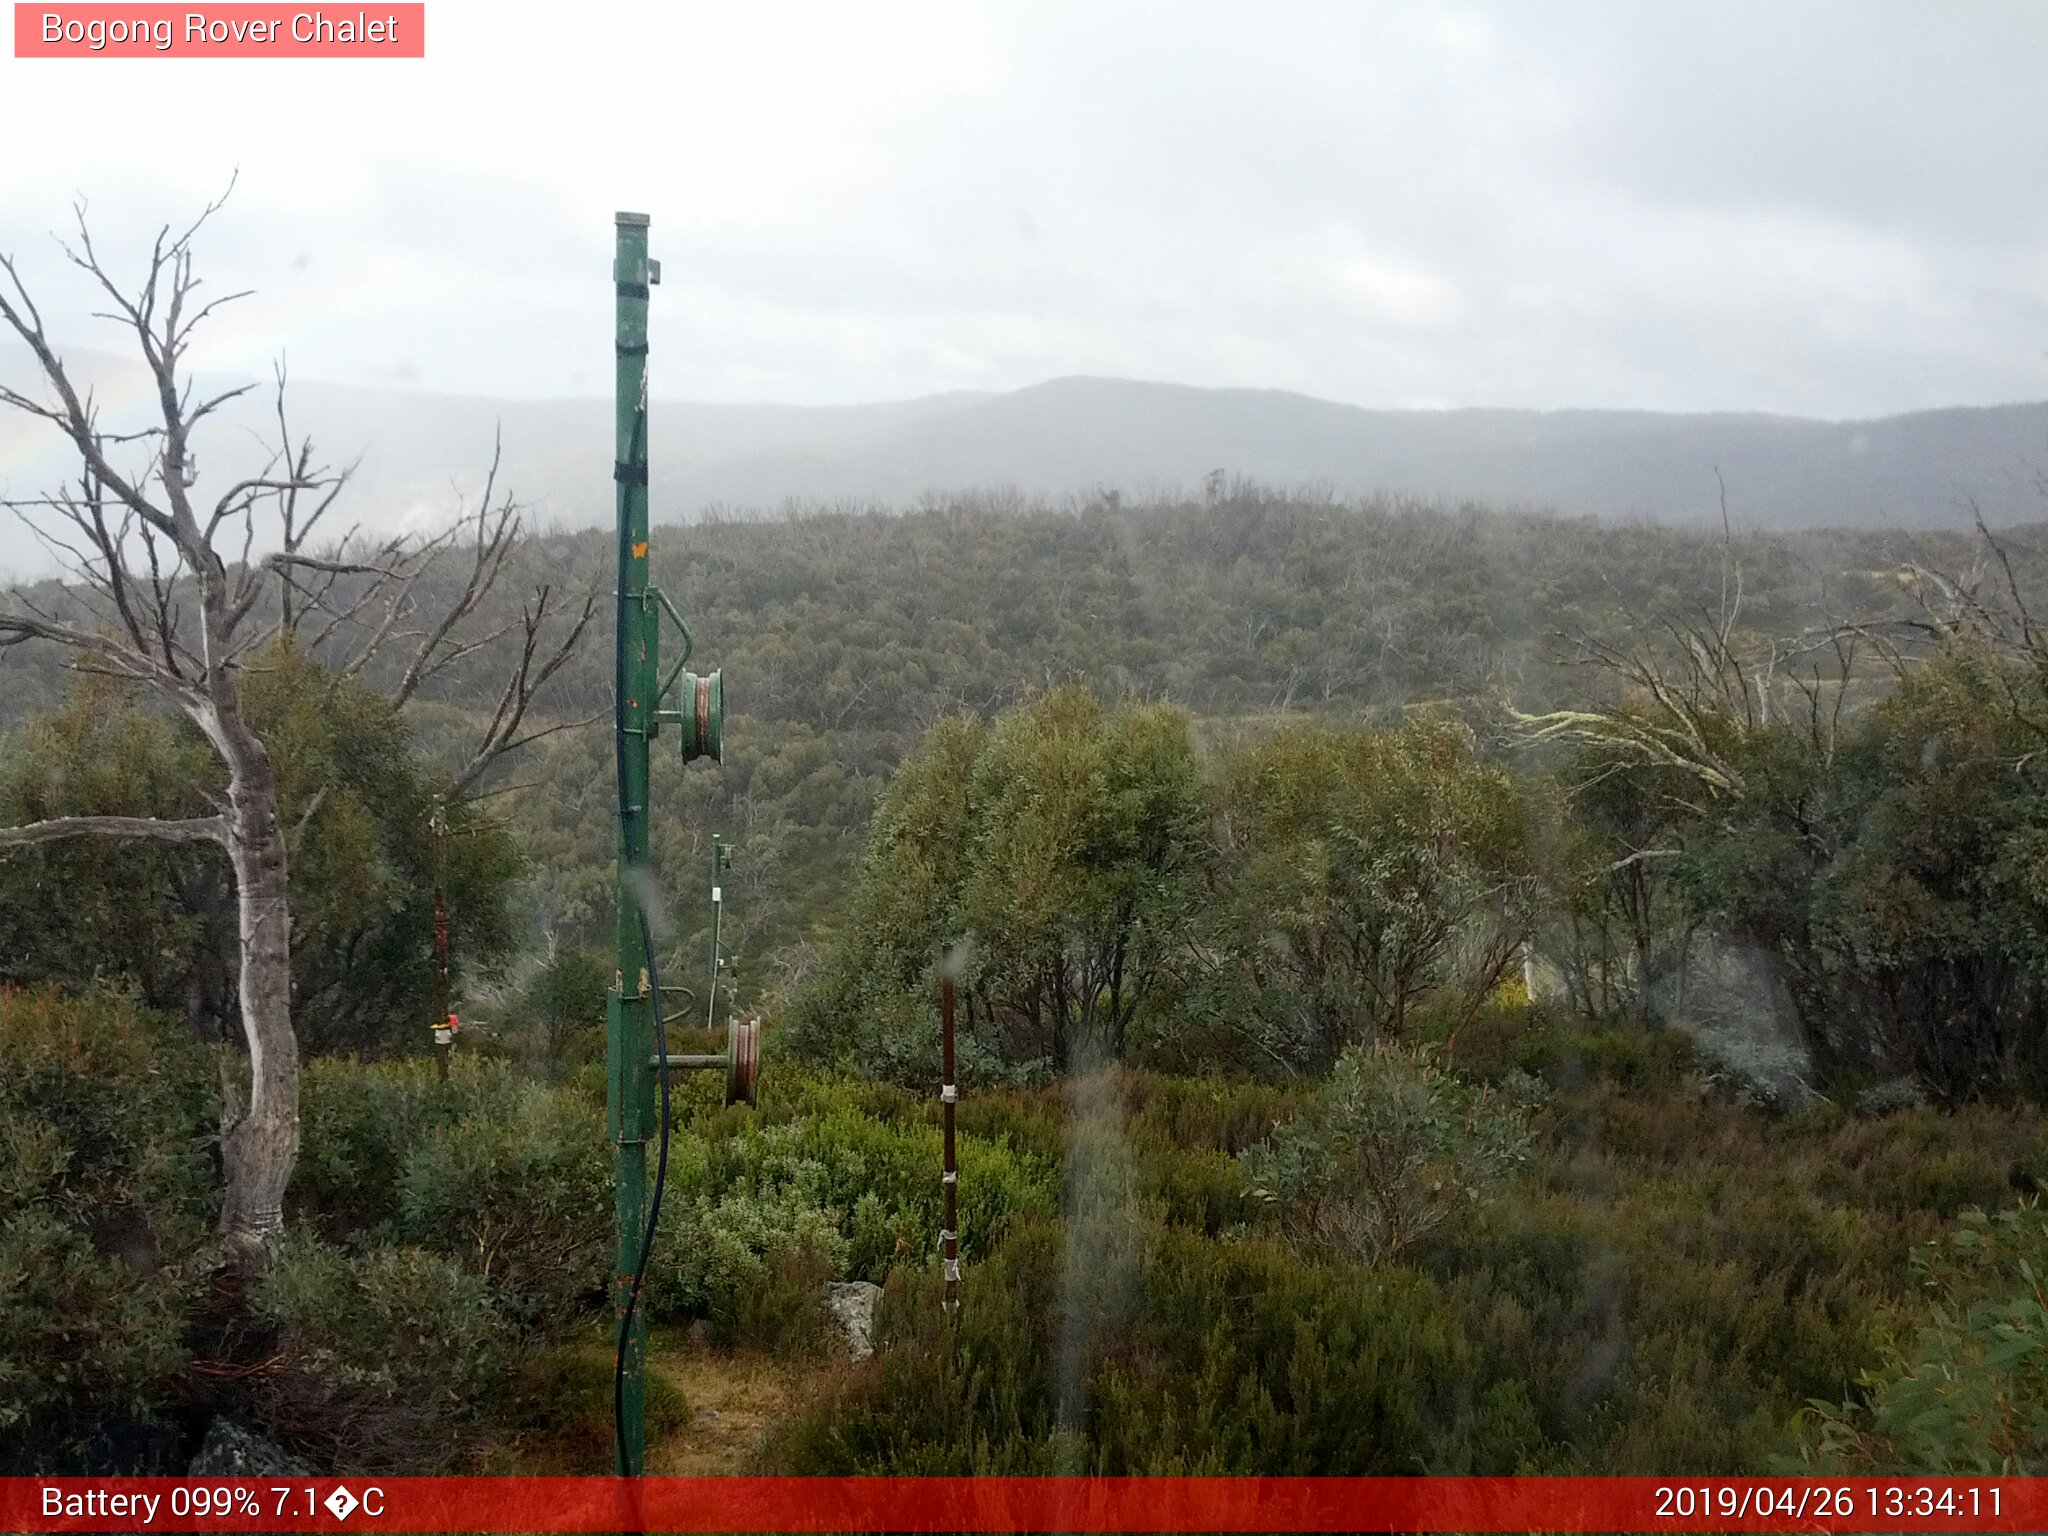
(844, 636)
(1446, 990)
(1245, 600)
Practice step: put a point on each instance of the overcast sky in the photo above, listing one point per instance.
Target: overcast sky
(1834, 210)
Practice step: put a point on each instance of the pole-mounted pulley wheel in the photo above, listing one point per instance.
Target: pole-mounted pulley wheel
(742, 1060)
(703, 716)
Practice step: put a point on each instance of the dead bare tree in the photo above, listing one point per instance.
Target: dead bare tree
(175, 597)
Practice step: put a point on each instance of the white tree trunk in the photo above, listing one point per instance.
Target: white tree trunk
(260, 1147)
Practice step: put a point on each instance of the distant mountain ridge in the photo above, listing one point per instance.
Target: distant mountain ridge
(1081, 436)
(1077, 436)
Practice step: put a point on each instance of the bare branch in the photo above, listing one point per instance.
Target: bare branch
(494, 539)
(503, 735)
(194, 829)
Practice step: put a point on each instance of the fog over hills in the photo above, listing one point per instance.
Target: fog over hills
(1076, 436)
(1082, 436)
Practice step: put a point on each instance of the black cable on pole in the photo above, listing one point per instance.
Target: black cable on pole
(653, 1212)
(619, 695)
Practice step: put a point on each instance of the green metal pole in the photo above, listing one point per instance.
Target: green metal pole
(629, 1039)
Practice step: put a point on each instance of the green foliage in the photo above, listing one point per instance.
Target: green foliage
(1890, 862)
(1615, 918)
(105, 1191)
(849, 634)
(874, 1002)
(1064, 846)
(468, 1216)
(1671, 1281)
(507, 1176)
(1967, 1392)
(1086, 830)
(162, 917)
(560, 1413)
(1674, 1277)
(519, 1188)
(564, 1003)
(1390, 1150)
(1320, 887)
(1934, 913)
(357, 1124)
(758, 1215)
(366, 868)
(1366, 874)
(1227, 1358)
(152, 915)
(713, 1255)
(388, 1359)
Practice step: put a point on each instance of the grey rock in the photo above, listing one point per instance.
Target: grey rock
(851, 1304)
(234, 1450)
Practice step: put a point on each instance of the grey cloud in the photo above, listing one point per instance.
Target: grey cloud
(1834, 209)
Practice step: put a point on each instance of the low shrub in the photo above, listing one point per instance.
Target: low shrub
(1674, 1277)
(106, 1204)
(522, 1196)
(559, 1412)
(507, 1176)
(356, 1123)
(1225, 1358)
(1969, 1392)
(390, 1360)
(1389, 1151)
(712, 1256)
(78, 1336)
(849, 1189)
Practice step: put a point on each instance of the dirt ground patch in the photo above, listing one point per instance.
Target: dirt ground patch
(734, 1396)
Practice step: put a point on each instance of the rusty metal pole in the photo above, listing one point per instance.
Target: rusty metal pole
(443, 1036)
(444, 1011)
(949, 1098)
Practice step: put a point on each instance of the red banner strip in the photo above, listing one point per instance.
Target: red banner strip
(977, 1504)
(373, 30)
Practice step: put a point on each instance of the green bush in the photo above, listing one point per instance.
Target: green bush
(77, 1335)
(972, 1399)
(510, 1177)
(1365, 878)
(1226, 1358)
(832, 1177)
(711, 1253)
(519, 1192)
(1390, 1151)
(390, 1360)
(357, 1122)
(160, 917)
(1067, 840)
(106, 1203)
(564, 1005)
(850, 1188)
(1221, 1114)
(560, 1410)
(1673, 1279)
(1968, 1391)
(886, 1178)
